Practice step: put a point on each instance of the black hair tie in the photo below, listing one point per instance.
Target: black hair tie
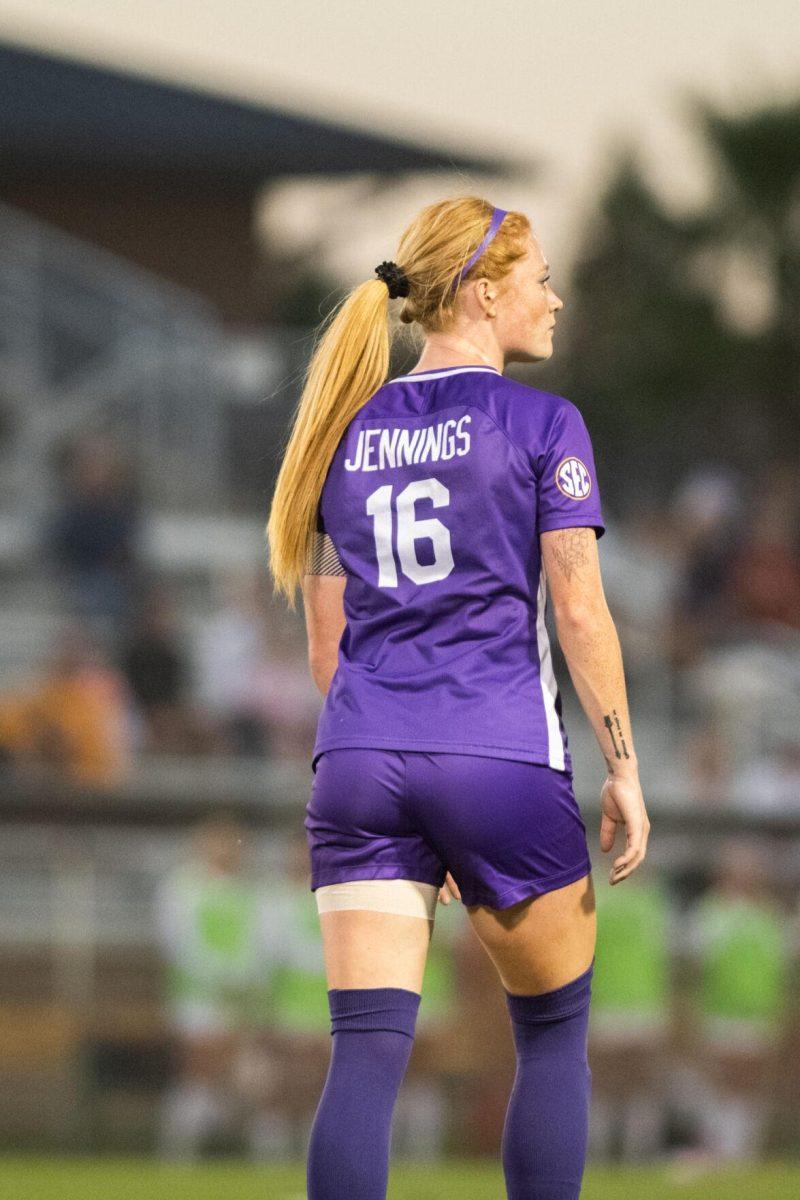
(395, 279)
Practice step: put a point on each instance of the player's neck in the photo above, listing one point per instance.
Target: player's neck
(453, 350)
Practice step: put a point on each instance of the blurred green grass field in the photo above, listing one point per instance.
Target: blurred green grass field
(141, 1179)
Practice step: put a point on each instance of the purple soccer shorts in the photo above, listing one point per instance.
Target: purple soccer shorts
(505, 829)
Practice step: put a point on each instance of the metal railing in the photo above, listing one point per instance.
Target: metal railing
(89, 341)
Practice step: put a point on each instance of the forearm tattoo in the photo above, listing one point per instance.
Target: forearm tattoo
(618, 739)
(569, 550)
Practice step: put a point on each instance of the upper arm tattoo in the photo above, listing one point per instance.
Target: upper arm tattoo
(570, 549)
(323, 558)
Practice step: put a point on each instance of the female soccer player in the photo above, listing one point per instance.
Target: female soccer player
(422, 517)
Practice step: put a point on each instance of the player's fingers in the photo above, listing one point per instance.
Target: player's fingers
(608, 831)
(634, 836)
(626, 860)
(630, 854)
(444, 895)
(454, 888)
(638, 838)
(617, 875)
(633, 856)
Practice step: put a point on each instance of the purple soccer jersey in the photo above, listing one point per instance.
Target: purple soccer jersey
(434, 502)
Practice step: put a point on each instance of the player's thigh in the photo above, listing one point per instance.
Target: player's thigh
(366, 949)
(541, 943)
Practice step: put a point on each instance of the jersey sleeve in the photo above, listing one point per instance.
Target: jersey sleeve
(323, 558)
(568, 491)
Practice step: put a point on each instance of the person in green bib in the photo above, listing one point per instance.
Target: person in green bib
(629, 1020)
(300, 996)
(220, 954)
(738, 938)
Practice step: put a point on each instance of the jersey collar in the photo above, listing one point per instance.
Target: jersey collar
(442, 372)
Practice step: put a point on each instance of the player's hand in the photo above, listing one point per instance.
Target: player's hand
(622, 803)
(449, 888)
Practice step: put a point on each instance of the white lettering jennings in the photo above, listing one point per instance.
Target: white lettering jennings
(381, 449)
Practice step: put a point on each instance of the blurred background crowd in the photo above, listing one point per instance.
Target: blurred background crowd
(162, 985)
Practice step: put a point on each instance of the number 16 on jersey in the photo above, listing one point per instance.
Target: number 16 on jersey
(409, 529)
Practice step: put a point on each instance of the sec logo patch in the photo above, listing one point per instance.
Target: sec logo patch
(573, 479)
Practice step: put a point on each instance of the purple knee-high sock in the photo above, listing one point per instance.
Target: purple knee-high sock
(373, 1035)
(547, 1122)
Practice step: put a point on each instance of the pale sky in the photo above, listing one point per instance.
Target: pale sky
(562, 82)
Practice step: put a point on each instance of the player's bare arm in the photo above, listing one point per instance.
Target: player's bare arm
(572, 551)
(589, 640)
(323, 604)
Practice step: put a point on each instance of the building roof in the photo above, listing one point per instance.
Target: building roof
(69, 115)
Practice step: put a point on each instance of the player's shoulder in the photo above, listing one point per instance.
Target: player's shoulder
(527, 414)
(514, 391)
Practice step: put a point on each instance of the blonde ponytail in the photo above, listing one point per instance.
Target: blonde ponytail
(349, 364)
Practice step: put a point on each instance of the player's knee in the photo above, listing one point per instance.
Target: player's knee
(570, 1000)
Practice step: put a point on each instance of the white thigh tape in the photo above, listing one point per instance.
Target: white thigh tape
(405, 897)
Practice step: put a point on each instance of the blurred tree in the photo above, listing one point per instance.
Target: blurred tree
(665, 376)
(757, 206)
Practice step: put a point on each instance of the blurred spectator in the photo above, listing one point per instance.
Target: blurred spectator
(737, 937)
(709, 766)
(231, 650)
(74, 720)
(746, 698)
(92, 537)
(158, 671)
(300, 998)
(639, 568)
(282, 691)
(706, 512)
(216, 929)
(629, 1019)
(771, 784)
(764, 578)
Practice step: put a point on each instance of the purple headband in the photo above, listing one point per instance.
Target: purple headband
(494, 225)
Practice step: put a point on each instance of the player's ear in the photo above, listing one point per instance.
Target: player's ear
(486, 293)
